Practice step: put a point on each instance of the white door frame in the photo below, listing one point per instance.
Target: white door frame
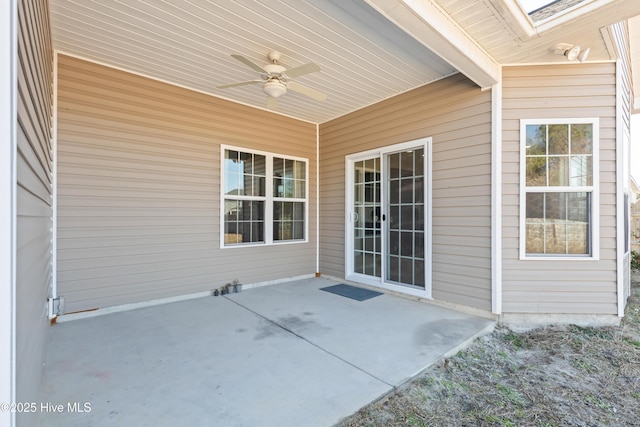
(426, 144)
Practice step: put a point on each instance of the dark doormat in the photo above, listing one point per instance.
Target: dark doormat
(358, 294)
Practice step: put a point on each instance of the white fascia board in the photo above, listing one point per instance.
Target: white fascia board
(426, 22)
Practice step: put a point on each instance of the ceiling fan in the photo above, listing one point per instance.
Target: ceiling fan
(277, 79)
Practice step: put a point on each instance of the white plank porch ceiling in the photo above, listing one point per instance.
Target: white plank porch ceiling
(364, 58)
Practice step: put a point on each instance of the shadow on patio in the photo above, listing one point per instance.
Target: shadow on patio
(281, 355)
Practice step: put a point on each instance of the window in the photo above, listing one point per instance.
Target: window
(289, 192)
(558, 175)
(264, 198)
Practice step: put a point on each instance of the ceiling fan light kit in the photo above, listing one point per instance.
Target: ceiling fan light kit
(277, 79)
(274, 88)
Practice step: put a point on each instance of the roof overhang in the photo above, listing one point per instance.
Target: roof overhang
(426, 22)
(634, 53)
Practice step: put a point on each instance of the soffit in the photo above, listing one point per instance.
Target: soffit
(513, 39)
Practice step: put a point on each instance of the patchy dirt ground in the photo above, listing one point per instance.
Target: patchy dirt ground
(555, 376)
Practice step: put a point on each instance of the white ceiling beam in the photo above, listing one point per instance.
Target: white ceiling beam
(425, 21)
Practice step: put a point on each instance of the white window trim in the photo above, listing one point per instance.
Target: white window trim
(595, 194)
(268, 199)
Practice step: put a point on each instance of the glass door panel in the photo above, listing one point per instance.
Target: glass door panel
(367, 246)
(405, 257)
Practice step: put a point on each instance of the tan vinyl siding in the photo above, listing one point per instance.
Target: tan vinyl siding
(34, 200)
(559, 286)
(139, 189)
(457, 115)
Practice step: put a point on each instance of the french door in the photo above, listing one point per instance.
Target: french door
(388, 227)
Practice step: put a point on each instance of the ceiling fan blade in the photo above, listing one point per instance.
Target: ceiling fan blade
(312, 93)
(249, 63)
(302, 70)
(272, 102)
(248, 82)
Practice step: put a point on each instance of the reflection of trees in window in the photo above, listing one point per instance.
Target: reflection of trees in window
(557, 219)
(559, 155)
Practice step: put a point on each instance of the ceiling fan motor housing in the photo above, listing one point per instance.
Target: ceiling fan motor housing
(274, 69)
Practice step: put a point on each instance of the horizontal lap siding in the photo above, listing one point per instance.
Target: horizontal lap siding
(139, 188)
(34, 198)
(457, 115)
(560, 91)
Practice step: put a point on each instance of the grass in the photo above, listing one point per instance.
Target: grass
(554, 376)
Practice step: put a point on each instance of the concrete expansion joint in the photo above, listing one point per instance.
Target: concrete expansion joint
(284, 328)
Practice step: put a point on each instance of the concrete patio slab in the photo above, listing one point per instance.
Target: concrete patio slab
(287, 354)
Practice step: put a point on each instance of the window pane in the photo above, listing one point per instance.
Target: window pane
(278, 187)
(558, 223)
(300, 170)
(243, 221)
(298, 211)
(394, 243)
(406, 163)
(582, 139)
(394, 166)
(555, 237)
(558, 139)
(259, 186)
(232, 184)
(406, 244)
(246, 160)
(289, 178)
(537, 171)
(558, 171)
(419, 217)
(419, 155)
(406, 217)
(580, 171)
(288, 221)
(278, 167)
(555, 206)
(298, 230)
(259, 165)
(535, 236)
(288, 168)
(535, 205)
(419, 245)
(536, 142)
(299, 190)
(406, 190)
(419, 190)
(248, 185)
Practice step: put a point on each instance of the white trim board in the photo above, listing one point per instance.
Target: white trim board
(8, 125)
(134, 306)
(54, 185)
(496, 198)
